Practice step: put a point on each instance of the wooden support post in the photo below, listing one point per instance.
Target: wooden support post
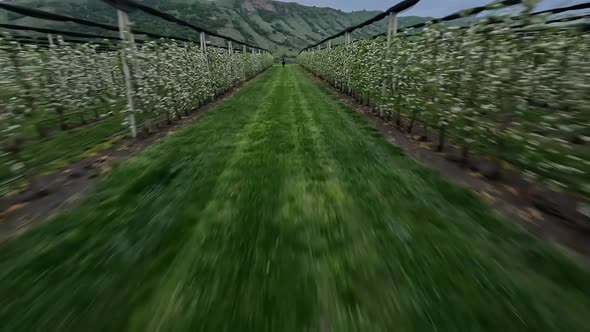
(391, 31)
(128, 40)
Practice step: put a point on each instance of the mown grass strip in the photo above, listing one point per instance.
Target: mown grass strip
(281, 210)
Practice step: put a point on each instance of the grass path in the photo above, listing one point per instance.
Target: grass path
(281, 210)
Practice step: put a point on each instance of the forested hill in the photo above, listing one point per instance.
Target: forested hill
(279, 26)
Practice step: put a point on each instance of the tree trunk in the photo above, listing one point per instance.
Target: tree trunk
(464, 155)
(441, 140)
(82, 119)
(40, 131)
(62, 120)
(412, 121)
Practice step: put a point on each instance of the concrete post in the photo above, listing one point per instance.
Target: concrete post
(391, 31)
(128, 40)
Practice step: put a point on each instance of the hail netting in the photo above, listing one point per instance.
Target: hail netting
(398, 8)
(35, 13)
(129, 5)
(516, 88)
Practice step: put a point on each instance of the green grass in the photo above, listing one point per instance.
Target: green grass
(281, 210)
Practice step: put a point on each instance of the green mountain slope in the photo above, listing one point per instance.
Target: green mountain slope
(279, 26)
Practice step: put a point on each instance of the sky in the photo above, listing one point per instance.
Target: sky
(434, 8)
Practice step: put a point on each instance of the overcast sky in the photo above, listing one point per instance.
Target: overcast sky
(434, 8)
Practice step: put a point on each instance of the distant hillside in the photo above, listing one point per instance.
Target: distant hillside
(281, 27)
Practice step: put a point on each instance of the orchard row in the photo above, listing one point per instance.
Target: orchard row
(515, 89)
(46, 91)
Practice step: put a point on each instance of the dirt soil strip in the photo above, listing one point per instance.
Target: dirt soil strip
(54, 192)
(547, 214)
